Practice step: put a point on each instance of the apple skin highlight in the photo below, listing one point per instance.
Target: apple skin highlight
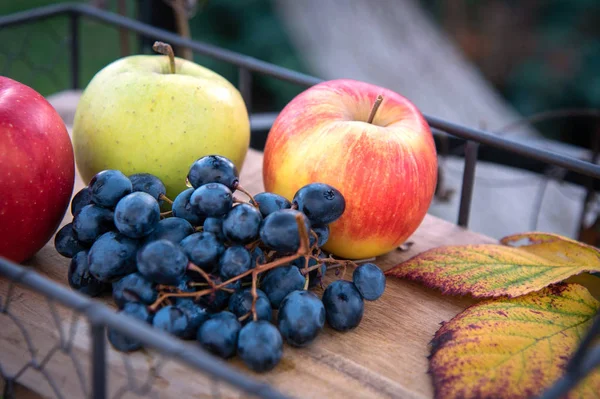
(386, 170)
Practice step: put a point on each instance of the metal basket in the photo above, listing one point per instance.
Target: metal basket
(215, 374)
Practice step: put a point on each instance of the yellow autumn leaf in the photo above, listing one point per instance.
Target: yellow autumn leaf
(514, 348)
(491, 270)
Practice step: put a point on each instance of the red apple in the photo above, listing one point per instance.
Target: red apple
(37, 170)
(386, 169)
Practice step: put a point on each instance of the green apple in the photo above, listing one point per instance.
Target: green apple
(136, 116)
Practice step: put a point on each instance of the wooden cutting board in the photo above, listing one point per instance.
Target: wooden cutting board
(385, 357)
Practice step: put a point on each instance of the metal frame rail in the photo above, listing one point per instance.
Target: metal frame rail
(101, 317)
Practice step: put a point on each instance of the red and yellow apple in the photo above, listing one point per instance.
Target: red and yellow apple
(386, 169)
(37, 170)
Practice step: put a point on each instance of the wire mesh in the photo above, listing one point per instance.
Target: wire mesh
(50, 350)
(44, 68)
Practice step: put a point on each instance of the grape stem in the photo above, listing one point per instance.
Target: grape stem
(315, 236)
(165, 198)
(243, 190)
(251, 246)
(201, 272)
(162, 297)
(198, 284)
(165, 214)
(165, 49)
(244, 317)
(254, 294)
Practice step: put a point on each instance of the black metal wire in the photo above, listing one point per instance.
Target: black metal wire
(468, 182)
(245, 87)
(102, 317)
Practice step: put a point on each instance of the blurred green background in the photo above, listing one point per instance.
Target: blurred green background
(539, 54)
(37, 53)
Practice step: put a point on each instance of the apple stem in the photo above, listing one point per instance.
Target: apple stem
(378, 102)
(165, 49)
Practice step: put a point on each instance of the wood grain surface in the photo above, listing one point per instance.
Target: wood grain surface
(385, 357)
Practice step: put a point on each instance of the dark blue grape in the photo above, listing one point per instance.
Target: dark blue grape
(219, 334)
(125, 343)
(212, 200)
(173, 229)
(322, 235)
(112, 256)
(80, 279)
(344, 306)
(279, 230)
(213, 169)
(215, 226)
(183, 209)
(203, 249)
(241, 224)
(196, 316)
(321, 203)
(218, 301)
(258, 257)
(240, 304)
(150, 184)
(108, 187)
(137, 214)
(184, 286)
(171, 319)
(271, 202)
(133, 288)
(81, 199)
(369, 281)
(162, 262)
(314, 276)
(91, 222)
(279, 282)
(260, 345)
(235, 261)
(301, 317)
(66, 243)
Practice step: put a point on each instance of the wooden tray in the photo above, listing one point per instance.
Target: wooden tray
(385, 357)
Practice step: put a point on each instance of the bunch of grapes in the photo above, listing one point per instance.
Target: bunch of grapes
(214, 267)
